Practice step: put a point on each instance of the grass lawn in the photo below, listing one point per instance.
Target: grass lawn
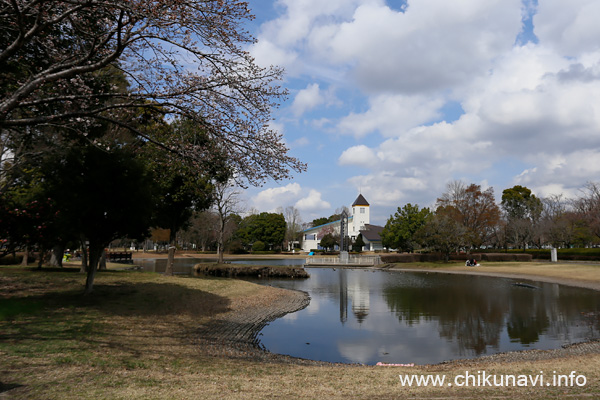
(136, 337)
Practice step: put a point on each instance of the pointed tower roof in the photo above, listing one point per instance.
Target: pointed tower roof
(360, 201)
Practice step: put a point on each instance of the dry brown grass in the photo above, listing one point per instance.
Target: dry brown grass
(583, 275)
(135, 339)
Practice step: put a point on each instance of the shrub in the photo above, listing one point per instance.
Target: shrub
(495, 257)
(12, 260)
(258, 246)
(400, 258)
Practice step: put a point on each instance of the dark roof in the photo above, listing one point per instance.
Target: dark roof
(360, 201)
(372, 232)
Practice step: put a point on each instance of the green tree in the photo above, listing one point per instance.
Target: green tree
(183, 187)
(523, 211)
(104, 195)
(442, 233)
(328, 241)
(519, 203)
(319, 221)
(400, 229)
(358, 243)
(265, 227)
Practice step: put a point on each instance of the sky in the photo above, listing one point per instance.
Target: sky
(395, 99)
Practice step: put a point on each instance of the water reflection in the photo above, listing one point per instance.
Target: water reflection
(427, 318)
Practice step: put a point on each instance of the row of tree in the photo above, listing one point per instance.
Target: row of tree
(467, 217)
(122, 115)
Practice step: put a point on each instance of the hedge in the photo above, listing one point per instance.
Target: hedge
(433, 257)
(13, 260)
(592, 254)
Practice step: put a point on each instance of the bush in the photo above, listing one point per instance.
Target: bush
(434, 257)
(495, 257)
(410, 258)
(12, 260)
(258, 246)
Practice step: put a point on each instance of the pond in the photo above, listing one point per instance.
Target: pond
(367, 316)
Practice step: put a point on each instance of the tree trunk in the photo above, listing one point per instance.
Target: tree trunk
(102, 265)
(84, 255)
(41, 257)
(171, 256)
(25, 260)
(95, 253)
(220, 249)
(56, 259)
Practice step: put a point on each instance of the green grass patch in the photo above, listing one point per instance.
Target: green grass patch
(13, 308)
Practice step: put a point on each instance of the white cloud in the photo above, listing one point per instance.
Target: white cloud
(312, 202)
(432, 45)
(359, 155)
(391, 115)
(571, 28)
(307, 99)
(308, 201)
(270, 199)
(300, 142)
(267, 53)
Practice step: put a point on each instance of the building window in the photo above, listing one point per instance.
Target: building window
(362, 210)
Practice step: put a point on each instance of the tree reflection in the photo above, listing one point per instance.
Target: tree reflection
(472, 313)
(528, 315)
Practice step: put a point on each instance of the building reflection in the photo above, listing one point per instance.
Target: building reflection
(356, 291)
(343, 296)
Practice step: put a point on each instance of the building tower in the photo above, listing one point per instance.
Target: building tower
(360, 216)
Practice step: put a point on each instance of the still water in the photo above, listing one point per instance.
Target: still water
(365, 316)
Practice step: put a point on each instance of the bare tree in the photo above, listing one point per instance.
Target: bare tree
(293, 221)
(182, 58)
(474, 209)
(201, 231)
(588, 206)
(226, 203)
(554, 226)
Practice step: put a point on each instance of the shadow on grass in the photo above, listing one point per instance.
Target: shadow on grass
(129, 320)
(122, 298)
(5, 387)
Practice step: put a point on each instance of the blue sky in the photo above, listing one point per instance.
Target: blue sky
(395, 99)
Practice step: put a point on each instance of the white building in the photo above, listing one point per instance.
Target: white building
(358, 223)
